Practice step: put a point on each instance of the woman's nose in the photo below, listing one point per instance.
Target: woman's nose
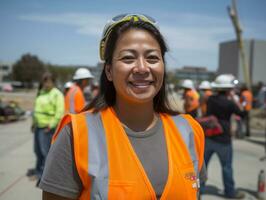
(141, 66)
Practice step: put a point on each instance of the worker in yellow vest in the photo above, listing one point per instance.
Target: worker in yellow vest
(129, 144)
(246, 99)
(48, 111)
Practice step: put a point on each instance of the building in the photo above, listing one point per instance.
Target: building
(197, 74)
(5, 69)
(230, 60)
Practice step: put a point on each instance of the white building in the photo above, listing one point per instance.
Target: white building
(5, 69)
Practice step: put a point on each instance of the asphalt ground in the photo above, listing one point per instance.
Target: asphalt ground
(16, 157)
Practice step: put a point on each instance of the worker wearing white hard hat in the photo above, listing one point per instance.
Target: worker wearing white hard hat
(191, 98)
(74, 99)
(224, 82)
(205, 93)
(67, 86)
(188, 84)
(222, 106)
(205, 85)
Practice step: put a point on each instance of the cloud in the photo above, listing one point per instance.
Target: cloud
(189, 31)
(186, 33)
(88, 24)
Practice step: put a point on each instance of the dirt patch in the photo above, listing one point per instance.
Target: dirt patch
(258, 119)
(25, 99)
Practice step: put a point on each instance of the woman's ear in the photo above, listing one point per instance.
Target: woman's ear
(108, 72)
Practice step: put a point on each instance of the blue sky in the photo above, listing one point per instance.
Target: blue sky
(68, 31)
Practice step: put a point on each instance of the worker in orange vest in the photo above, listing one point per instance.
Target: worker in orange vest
(246, 99)
(74, 98)
(67, 86)
(206, 92)
(191, 98)
(129, 144)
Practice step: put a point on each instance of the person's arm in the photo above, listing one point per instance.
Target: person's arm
(59, 110)
(60, 176)
(51, 196)
(237, 111)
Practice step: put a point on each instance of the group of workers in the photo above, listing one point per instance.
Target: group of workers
(195, 101)
(219, 99)
(128, 143)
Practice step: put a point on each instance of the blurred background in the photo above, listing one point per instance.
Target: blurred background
(205, 38)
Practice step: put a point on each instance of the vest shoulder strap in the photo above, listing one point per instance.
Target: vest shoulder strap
(193, 137)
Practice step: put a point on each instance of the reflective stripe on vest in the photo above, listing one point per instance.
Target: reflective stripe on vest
(188, 137)
(109, 168)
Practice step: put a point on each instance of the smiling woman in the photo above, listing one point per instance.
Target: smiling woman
(128, 143)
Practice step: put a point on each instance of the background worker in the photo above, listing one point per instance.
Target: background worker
(67, 86)
(191, 98)
(127, 145)
(48, 111)
(246, 99)
(222, 106)
(205, 93)
(74, 99)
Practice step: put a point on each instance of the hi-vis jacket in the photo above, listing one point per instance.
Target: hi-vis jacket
(191, 98)
(48, 108)
(74, 100)
(246, 99)
(110, 169)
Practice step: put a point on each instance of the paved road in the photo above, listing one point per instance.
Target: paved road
(16, 156)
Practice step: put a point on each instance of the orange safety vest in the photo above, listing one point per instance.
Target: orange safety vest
(203, 106)
(191, 100)
(74, 100)
(246, 97)
(110, 169)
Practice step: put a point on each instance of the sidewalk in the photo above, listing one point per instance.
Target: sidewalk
(246, 165)
(15, 161)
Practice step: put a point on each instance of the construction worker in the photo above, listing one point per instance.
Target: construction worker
(67, 86)
(191, 98)
(48, 111)
(74, 99)
(206, 92)
(222, 106)
(129, 144)
(246, 99)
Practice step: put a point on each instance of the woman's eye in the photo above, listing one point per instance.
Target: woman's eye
(153, 59)
(128, 59)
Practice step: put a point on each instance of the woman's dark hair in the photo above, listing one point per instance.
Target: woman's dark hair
(46, 76)
(107, 93)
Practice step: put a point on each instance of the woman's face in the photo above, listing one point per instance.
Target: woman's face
(137, 69)
(48, 84)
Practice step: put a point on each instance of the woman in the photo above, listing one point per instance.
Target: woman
(48, 111)
(127, 145)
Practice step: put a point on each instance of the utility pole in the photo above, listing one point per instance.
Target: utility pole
(232, 11)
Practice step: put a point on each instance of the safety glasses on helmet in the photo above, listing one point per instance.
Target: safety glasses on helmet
(119, 19)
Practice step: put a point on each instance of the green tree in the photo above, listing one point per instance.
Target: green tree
(28, 69)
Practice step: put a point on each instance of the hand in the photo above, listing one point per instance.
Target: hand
(33, 128)
(47, 130)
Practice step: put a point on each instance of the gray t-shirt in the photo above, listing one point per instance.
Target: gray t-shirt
(61, 177)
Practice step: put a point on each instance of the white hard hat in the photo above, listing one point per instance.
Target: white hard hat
(187, 83)
(205, 85)
(82, 73)
(68, 84)
(224, 81)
